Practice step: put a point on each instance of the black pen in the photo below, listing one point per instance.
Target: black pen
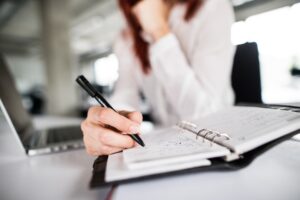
(85, 84)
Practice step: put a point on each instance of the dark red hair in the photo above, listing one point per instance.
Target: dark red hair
(141, 47)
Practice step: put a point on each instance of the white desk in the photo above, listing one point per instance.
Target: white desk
(274, 175)
(59, 176)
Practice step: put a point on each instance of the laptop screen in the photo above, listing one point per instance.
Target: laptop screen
(11, 144)
(12, 100)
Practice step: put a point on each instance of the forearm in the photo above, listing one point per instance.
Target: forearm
(191, 92)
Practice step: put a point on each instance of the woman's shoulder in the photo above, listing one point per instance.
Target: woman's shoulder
(208, 11)
(218, 7)
(212, 8)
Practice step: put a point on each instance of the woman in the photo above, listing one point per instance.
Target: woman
(179, 54)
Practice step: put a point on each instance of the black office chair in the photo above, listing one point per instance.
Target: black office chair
(245, 78)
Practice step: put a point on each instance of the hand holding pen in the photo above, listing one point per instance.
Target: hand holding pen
(105, 130)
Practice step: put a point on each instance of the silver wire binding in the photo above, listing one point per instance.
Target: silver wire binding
(205, 132)
(185, 125)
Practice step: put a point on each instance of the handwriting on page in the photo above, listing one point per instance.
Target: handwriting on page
(167, 144)
(245, 124)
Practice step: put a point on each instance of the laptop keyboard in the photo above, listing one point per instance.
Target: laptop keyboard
(63, 134)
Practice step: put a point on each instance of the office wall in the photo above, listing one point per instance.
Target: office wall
(28, 70)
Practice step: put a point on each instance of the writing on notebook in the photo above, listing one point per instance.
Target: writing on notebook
(172, 143)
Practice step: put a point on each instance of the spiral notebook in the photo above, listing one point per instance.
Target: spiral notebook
(225, 136)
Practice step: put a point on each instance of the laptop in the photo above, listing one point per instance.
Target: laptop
(34, 141)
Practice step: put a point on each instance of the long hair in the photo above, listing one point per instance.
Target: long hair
(141, 47)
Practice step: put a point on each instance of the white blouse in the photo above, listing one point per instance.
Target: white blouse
(191, 67)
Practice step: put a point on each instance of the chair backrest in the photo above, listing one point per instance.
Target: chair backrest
(245, 78)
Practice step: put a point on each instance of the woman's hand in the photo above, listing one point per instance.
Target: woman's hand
(153, 17)
(105, 131)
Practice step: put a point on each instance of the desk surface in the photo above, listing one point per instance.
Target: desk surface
(274, 175)
(60, 176)
(57, 176)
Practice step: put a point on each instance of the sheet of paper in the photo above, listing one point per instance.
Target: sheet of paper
(250, 127)
(117, 170)
(171, 145)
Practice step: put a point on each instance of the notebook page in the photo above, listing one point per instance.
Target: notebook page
(250, 127)
(117, 170)
(171, 145)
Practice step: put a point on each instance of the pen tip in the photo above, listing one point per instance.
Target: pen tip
(141, 142)
(136, 138)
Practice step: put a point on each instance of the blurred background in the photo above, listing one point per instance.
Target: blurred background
(47, 43)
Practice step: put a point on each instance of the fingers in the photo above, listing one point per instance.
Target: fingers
(97, 149)
(98, 115)
(102, 130)
(101, 135)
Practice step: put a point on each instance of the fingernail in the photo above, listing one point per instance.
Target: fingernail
(134, 129)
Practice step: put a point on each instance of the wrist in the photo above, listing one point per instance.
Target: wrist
(160, 32)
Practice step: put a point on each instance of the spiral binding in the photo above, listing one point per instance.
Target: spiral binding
(204, 133)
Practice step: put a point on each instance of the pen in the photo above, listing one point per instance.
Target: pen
(85, 84)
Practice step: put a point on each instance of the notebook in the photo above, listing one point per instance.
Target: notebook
(225, 136)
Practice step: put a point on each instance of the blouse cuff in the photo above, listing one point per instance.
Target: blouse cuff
(163, 44)
(165, 54)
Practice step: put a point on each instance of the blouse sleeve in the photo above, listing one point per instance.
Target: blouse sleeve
(201, 84)
(125, 95)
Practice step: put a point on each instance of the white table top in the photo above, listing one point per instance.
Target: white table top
(274, 175)
(58, 176)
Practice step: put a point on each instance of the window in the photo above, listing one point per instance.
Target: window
(106, 70)
(277, 34)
